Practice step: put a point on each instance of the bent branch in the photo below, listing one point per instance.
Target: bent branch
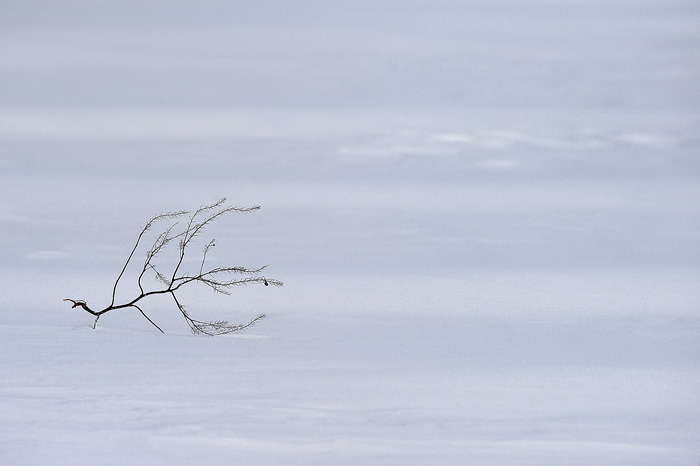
(213, 278)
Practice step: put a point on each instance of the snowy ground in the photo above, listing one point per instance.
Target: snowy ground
(486, 215)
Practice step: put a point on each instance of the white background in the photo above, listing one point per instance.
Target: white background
(486, 215)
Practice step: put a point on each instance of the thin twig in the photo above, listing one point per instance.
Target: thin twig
(148, 318)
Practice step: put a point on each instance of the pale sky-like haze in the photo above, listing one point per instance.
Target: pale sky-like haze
(456, 185)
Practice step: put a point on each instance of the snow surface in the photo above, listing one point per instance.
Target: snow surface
(486, 215)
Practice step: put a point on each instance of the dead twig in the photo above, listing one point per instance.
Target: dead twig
(219, 279)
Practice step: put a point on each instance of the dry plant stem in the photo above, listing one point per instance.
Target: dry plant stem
(212, 278)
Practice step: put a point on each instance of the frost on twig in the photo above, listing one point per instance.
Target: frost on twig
(219, 279)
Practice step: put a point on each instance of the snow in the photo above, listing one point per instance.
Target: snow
(347, 390)
(486, 215)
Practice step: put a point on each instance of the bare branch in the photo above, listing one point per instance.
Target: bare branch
(222, 327)
(148, 318)
(160, 242)
(213, 278)
(161, 216)
(194, 228)
(159, 276)
(82, 304)
(218, 327)
(210, 245)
